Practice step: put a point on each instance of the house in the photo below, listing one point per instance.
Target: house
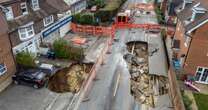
(7, 65)
(76, 6)
(32, 22)
(190, 43)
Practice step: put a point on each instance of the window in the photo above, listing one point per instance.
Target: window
(202, 75)
(9, 13)
(24, 8)
(2, 69)
(48, 20)
(35, 4)
(26, 32)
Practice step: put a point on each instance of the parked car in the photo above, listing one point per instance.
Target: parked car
(33, 77)
(49, 69)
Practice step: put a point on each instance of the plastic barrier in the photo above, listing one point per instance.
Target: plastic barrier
(109, 31)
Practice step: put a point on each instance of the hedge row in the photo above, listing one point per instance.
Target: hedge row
(85, 19)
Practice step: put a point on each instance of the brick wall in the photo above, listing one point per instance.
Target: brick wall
(198, 52)
(5, 56)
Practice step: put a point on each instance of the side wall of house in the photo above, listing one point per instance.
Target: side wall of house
(6, 56)
(198, 52)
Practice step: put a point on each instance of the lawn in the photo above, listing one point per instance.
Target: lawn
(201, 101)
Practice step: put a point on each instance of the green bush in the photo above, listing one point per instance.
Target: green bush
(76, 53)
(64, 50)
(60, 47)
(25, 59)
(84, 19)
(99, 3)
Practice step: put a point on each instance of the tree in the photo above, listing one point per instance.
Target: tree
(25, 59)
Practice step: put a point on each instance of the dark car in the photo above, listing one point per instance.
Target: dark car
(34, 78)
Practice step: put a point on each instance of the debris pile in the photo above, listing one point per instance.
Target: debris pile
(143, 85)
(69, 79)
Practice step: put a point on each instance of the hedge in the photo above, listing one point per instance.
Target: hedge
(84, 19)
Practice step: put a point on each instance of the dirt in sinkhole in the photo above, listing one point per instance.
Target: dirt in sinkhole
(69, 79)
(141, 81)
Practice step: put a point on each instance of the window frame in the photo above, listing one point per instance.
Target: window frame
(25, 7)
(45, 20)
(3, 67)
(33, 5)
(26, 32)
(10, 10)
(202, 74)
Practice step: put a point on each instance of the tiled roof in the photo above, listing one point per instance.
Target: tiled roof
(59, 5)
(45, 10)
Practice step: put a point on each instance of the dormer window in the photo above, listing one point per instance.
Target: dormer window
(26, 32)
(197, 9)
(23, 7)
(185, 2)
(35, 5)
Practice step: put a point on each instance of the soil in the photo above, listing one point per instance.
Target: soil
(69, 79)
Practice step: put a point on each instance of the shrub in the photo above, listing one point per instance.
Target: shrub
(60, 47)
(160, 15)
(84, 19)
(64, 50)
(25, 59)
(76, 53)
(99, 3)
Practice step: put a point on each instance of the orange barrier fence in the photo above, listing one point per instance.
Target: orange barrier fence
(94, 30)
(109, 31)
(144, 26)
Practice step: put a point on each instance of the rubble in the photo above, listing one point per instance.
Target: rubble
(142, 83)
(69, 79)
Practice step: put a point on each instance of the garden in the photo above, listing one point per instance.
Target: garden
(105, 12)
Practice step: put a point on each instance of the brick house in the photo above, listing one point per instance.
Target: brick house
(32, 22)
(190, 43)
(7, 65)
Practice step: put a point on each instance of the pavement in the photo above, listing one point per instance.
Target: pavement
(18, 97)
